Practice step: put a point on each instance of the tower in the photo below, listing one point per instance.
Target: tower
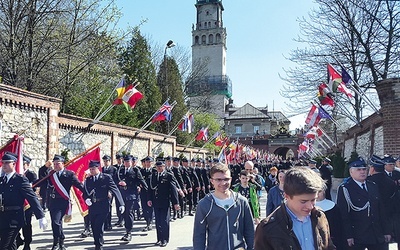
(209, 89)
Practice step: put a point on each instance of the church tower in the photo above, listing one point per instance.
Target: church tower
(209, 88)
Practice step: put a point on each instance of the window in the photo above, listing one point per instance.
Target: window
(196, 40)
(238, 129)
(210, 39)
(203, 39)
(256, 129)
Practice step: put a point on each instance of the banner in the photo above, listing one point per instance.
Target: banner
(79, 166)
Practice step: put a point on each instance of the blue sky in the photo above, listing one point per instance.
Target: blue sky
(260, 35)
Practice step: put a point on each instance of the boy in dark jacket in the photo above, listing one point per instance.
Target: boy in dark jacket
(296, 224)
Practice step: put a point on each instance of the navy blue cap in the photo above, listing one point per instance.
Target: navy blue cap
(198, 160)
(377, 163)
(159, 163)
(185, 160)
(59, 158)
(388, 159)
(148, 158)
(160, 159)
(168, 158)
(359, 163)
(27, 159)
(311, 161)
(210, 160)
(127, 157)
(134, 158)
(9, 157)
(193, 160)
(106, 157)
(327, 159)
(118, 156)
(94, 164)
(176, 159)
(215, 160)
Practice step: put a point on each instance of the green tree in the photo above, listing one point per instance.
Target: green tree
(135, 62)
(170, 83)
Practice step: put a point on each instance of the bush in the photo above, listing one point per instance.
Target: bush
(338, 164)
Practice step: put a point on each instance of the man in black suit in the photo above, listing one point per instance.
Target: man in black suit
(326, 174)
(130, 182)
(176, 170)
(28, 212)
(361, 210)
(14, 189)
(112, 171)
(119, 165)
(43, 172)
(194, 183)
(59, 185)
(147, 210)
(163, 192)
(97, 187)
(390, 170)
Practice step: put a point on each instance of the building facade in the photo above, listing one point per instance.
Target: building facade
(210, 87)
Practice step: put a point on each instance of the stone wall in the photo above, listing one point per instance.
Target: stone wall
(365, 139)
(47, 132)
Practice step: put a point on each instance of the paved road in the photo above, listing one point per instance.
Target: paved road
(180, 238)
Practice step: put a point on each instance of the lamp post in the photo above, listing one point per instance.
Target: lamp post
(169, 45)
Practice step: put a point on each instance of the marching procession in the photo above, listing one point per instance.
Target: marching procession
(224, 200)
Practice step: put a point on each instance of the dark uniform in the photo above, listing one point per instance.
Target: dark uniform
(112, 171)
(12, 196)
(43, 172)
(192, 197)
(163, 192)
(118, 166)
(325, 171)
(362, 214)
(177, 172)
(96, 190)
(147, 211)
(133, 179)
(187, 183)
(27, 228)
(197, 194)
(58, 202)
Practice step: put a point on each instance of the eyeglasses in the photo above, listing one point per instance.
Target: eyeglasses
(221, 179)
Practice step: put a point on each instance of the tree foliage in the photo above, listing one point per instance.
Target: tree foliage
(360, 35)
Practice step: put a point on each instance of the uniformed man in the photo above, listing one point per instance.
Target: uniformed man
(360, 208)
(163, 192)
(206, 180)
(194, 183)
(43, 172)
(177, 172)
(187, 183)
(390, 170)
(59, 185)
(313, 165)
(326, 174)
(27, 228)
(119, 165)
(14, 189)
(147, 210)
(112, 171)
(130, 182)
(196, 193)
(97, 188)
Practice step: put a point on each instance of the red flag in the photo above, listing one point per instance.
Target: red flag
(79, 167)
(132, 96)
(313, 117)
(202, 135)
(324, 95)
(336, 82)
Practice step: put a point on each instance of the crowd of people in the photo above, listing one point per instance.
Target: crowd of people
(224, 198)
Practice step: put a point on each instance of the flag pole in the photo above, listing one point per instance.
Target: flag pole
(177, 125)
(333, 120)
(362, 95)
(148, 123)
(109, 97)
(327, 136)
(67, 164)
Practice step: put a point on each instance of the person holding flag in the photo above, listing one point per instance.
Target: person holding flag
(60, 183)
(14, 190)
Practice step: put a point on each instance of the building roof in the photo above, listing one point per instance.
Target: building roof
(248, 111)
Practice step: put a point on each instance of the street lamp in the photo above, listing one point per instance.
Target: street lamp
(169, 45)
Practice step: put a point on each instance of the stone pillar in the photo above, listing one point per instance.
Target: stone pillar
(389, 97)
